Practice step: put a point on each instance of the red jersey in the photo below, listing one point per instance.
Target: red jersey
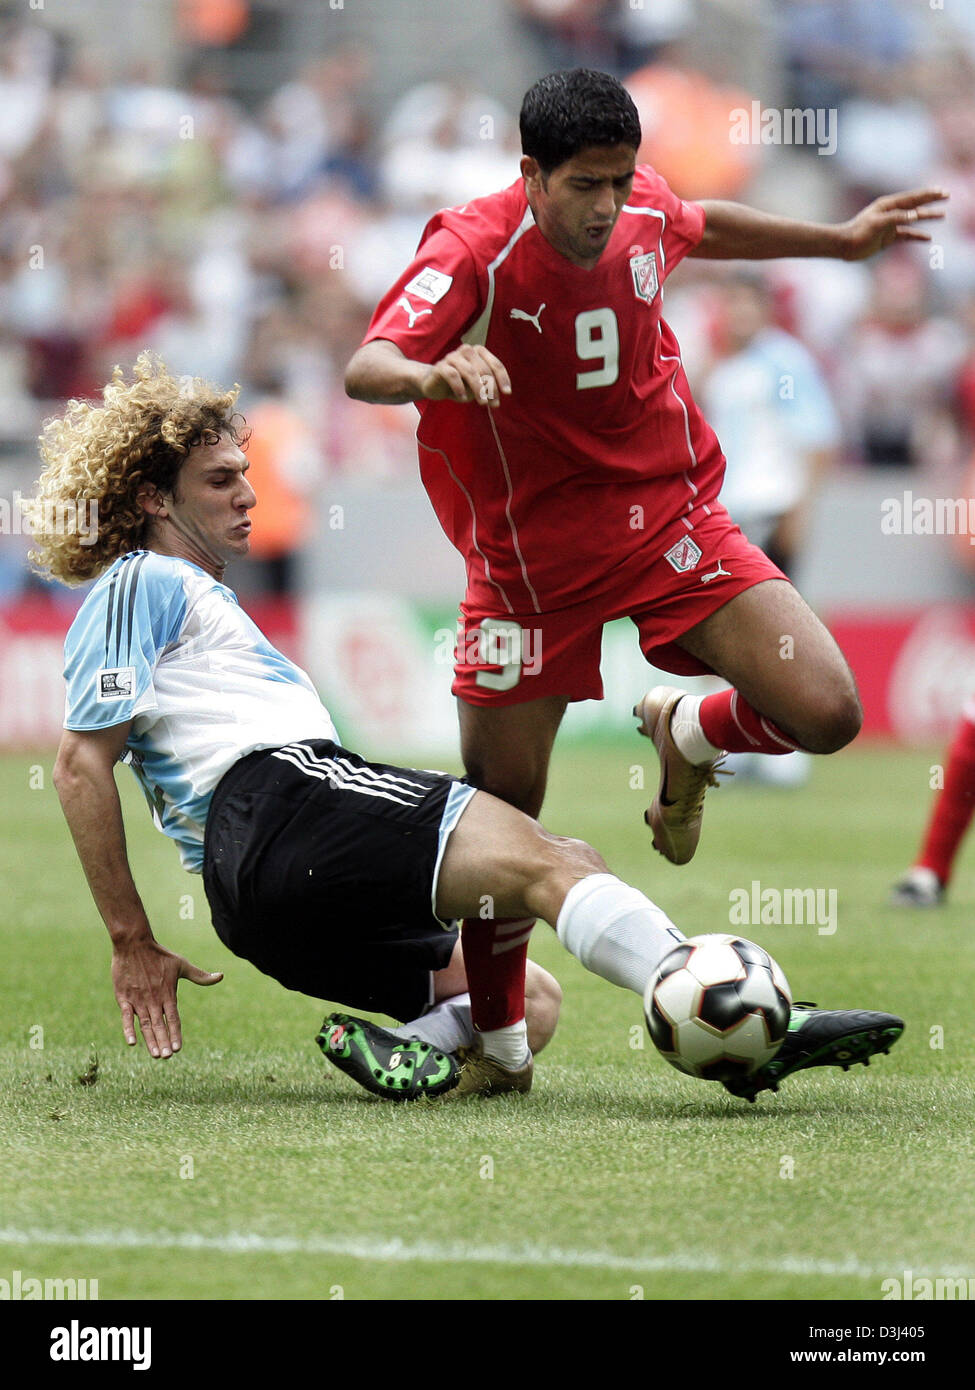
(600, 447)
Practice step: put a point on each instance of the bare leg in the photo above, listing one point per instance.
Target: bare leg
(768, 643)
(506, 751)
(501, 863)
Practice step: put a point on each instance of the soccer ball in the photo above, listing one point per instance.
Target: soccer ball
(717, 1007)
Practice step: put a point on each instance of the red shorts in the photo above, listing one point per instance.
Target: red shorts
(506, 659)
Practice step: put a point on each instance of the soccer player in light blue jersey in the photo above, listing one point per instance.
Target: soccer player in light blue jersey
(341, 878)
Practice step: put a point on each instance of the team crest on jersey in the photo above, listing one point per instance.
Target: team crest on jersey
(644, 272)
(116, 683)
(684, 555)
(430, 285)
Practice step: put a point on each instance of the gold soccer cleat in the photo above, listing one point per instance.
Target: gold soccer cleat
(675, 813)
(482, 1076)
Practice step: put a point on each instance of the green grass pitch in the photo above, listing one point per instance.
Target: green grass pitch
(242, 1169)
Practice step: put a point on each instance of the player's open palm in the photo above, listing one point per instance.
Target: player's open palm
(894, 217)
(145, 977)
(467, 374)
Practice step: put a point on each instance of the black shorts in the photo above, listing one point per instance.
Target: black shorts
(320, 868)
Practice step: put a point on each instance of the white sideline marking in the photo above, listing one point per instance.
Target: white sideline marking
(373, 1248)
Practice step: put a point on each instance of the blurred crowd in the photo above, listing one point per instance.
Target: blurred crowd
(250, 242)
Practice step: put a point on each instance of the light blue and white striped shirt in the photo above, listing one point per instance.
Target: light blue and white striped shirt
(158, 641)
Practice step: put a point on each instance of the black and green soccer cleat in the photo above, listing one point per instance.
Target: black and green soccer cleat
(822, 1038)
(392, 1067)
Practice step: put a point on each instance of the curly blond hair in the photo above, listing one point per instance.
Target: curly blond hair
(85, 513)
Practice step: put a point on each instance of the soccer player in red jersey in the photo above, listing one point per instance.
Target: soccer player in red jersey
(569, 465)
(926, 882)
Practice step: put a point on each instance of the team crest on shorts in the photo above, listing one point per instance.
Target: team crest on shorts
(684, 555)
(644, 272)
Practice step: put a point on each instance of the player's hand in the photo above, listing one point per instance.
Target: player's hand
(895, 217)
(467, 374)
(145, 976)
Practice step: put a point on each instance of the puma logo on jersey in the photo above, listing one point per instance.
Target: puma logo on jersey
(413, 313)
(715, 574)
(529, 318)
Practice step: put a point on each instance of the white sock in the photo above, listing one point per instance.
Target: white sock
(615, 931)
(507, 1045)
(686, 731)
(446, 1025)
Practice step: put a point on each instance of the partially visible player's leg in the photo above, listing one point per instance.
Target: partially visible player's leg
(440, 1051)
(506, 751)
(791, 688)
(617, 932)
(784, 667)
(448, 1023)
(499, 856)
(734, 613)
(924, 885)
(509, 712)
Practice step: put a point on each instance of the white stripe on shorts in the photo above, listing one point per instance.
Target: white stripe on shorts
(331, 771)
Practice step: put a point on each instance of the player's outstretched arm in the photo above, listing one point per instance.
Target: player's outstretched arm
(735, 232)
(383, 375)
(144, 974)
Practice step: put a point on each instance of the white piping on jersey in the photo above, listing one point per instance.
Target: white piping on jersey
(687, 422)
(477, 333)
(656, 212)
(651, 212)
(346, 777)
(470, 503)
(507, 511)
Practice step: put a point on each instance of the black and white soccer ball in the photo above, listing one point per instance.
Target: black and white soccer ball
(717, 1007)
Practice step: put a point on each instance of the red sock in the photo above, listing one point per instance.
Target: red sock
(495, 952)
(954, 806)
(730, 722)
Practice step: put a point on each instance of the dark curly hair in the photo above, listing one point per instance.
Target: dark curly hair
(565, 112)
